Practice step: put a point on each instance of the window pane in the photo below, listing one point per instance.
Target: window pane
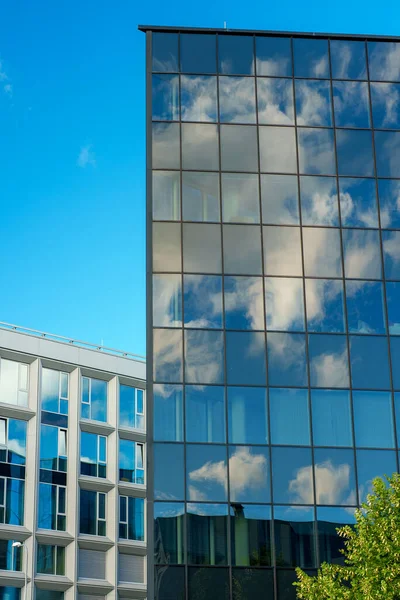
(387, 147)
(89, 454)
(237, 100)
(244, 306)
(294, 537)
(165, 97)
(373, 419)
(168, 482)
(277, 149)
(251, 535)
(391, 254)
(273, 56)
(166, 196)
(311, 58)
(319, 201)
(249, 474)
(316, 152)
(169, 583)
(240, 198)
(239, 150)
(389, 205)
(351, 103)
(371, 464)
(205, 413)
(284, 302)
(200, 197)
(126, 406)
(280, 199)
(328, 360)
(329, 519)
(245, 358)
(322, 255)
(247, 415)
(365, 307)
(395, 356)
(246, 257)
(200, 147)
(198, 53)
(167, 351)
(383, 63)
(385, 98)
(206, 476)
(393, 307)
(17, 441)
(331, 418)
(165, 51)
(88, 512)
(290, 419)
(348, 59)
(334, 477)
(201, 248)
(167, 300)
(282, 251)
(214, 583)
(292, 476)
(199, 98)
(168, 413)
(275, 101)
(287, 359)
(362, 254)
(203, 301)
(166, 247)
(48, 447)
(168, 532)
(236, 55)
(358, 202)
(354, 152)
(325, 305)
(166, 146)
(204, 356)
(313, 103)
(127, 466)
(369, 362)
(50, 389)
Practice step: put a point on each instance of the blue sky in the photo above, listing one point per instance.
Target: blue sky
(72, 150)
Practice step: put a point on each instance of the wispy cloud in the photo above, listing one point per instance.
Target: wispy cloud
(86, 157)
(5, 81)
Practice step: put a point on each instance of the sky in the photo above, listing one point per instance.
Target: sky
(72, 149)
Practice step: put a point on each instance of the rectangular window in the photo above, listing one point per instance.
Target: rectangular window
(12, 496)
(92, 512)
(53, 448)
(54, 391)
(94, 399)
(93, 455)
(131, 461)
(51, 559)
(13, 441)
(52, 507)
(10, 556)
(131, 407)
(13, 382)
(131, 518)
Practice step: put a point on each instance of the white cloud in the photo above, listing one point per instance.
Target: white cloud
(333, 485)
(86, 157)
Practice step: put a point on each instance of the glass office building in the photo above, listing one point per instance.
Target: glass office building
(274, 295)
(72, 458)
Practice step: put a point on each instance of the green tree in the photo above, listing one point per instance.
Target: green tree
(371, 550)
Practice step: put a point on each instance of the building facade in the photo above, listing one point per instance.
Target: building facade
(72, 470)
(274, 295)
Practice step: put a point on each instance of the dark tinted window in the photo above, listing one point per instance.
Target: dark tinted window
(214, 583)
(369, 362)
(245, 358)
(250, 532)
(198, 53)
(168, 483)
(387, 146)
(273, 56)
(371, 464)
(165, 51)
(373, 419)
(354, 153)
(316, 152)
(169, 583)
(348, 60)
(331, 418)
(351, 103)
(311, 58)
(207, 529)
(236, 55)
(294, 539)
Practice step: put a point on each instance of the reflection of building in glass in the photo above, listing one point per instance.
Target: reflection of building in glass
(274, 315)
(72, 456)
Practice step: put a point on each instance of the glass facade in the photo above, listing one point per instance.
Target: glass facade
(275, 278)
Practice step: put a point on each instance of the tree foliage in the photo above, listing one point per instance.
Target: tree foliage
(371, 550)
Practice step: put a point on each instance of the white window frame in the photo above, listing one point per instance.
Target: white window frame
(62, 433)
(4, 445)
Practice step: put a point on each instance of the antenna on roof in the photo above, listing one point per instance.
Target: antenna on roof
(225, 27)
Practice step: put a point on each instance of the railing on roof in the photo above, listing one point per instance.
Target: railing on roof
(78, 343)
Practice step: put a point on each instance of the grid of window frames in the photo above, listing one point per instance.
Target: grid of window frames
(276, 302)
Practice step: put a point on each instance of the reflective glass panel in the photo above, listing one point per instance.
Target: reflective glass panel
(287, 364)
(249, 475)
(200, 147)
(236, 54)
(204, 356)
(395, 356)
(168, 413)
(239, 150)
(245, 358)
(169, 583)
(331, 418)
(322, 253)
(201, 248)
(247, 415)
(277, 149)
(329, 366)
(166, 247)
(237, 100)
(319, 201)
(389, 203)
(240, 198)
(371, 464)
(358, 206)
(365, 307)
(203, 301)
(243, 258)
(273, 56)
(166, 196)
(205, 413)
(244, 306)
(198, 53)
(292, 476)
(354, 153)
(251, 535)
(328, 521)
(165, 51)
(334, 477)
(362, 254)
(348, 59)
(167, 351)
(16, 441)
(383, 61)
(385, 98)
(275, 101)
(165, 99)
(207, 533)
(280, 199)
(311, 58)
(199, 98)
(373, 419)
(369, 362)
(387, 148)
(166, 146)
(168, 481)
(289, 416)
(282, 251)
(391, 253)
(167, 300)
(200, 197)
(294, 538)
(313, 103)
(325, 305)
(213, 583)
(393, 307)
(168, 532)
(351, 102)
(397, 413)
(206, 474)
(284, 304)
(316, 152)
(252, 583)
